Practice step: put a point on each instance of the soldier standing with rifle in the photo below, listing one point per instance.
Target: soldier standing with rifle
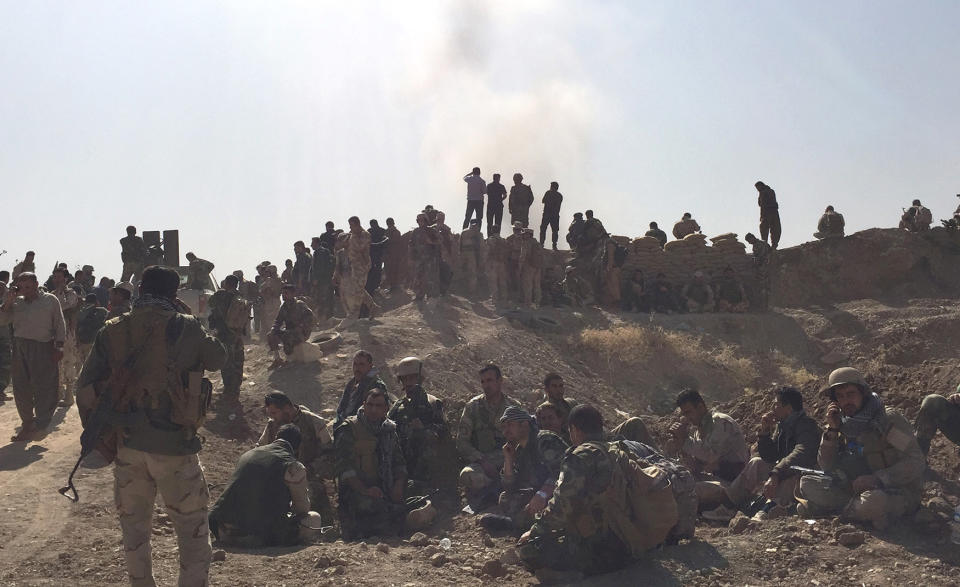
(142, 392)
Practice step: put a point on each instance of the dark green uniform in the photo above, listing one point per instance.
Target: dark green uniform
(321, 280)
(257, 499)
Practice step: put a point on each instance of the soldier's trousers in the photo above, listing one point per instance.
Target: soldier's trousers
(68, 369)
(6, 357)
(354, 296)
(770, 224)
(131, 271)
(473, 207)
(529, 285)
(494, 216)
(36, 379)
(268, 313)
(553, 222)
(426, 279)
(498, 281)
(393, 271)
(611, 286)
(446, 277)
(374, 277)
(470, 269)
(824, 496)
(232, 371)
(749, 483)
(514, 503)
(937, 413)
(137, 478)
(323, 300)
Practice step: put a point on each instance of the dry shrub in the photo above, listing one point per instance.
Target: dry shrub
(664, 350)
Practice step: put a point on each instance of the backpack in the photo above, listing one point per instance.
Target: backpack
(924, 215)
(238, 315)
(190, 392)
(641, 508)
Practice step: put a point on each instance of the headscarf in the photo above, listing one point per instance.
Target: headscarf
(870, 417)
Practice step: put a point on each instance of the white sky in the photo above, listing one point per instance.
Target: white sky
(247, 125)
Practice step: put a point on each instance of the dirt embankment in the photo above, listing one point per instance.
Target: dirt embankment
(626, 364)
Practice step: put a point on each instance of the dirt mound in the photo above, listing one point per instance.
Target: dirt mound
(880, 264)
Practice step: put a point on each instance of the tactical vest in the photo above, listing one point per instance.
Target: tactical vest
(365, 452)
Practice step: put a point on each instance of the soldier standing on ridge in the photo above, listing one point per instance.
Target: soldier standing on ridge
(551, 213)
(521, 198)
(769, 214)
(476, 187)
(133, 253)
(496, 194)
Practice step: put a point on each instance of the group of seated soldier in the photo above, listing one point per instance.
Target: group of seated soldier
(561, 482)
(725, 294)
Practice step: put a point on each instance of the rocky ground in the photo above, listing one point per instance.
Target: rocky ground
(627, 364)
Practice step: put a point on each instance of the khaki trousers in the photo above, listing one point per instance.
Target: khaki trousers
(137, 477)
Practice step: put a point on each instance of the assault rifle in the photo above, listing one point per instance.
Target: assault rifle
(102, 416)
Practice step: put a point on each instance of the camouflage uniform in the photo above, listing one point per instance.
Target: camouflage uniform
(717, 446)
(270, 289)
(936, 413)
(199, 274)
(886, 449)
(133, 253)
(425, 251)
(471, 253)
(352, 277)
(119, 309)
(448, 257)
(761, 270)
(360, 448)
(632, 429)
(315, 452)
(232, 372)
(427, 449)
(530, 267)
(70, 363)
(573, 532)
(536, 467)
(154, 452)
(519, 202)
(480, 438)
(292, 326)
(513, 248)
(496, 267)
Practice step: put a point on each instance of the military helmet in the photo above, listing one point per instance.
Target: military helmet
(410, 366)
(844, 376)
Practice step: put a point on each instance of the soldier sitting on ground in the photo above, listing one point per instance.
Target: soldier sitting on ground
(698, 295)
(793, 443)
(292, 326)
(316, 444)
(576, 292)
(480, 440)
(365, 378)
(266, 502)
(371, 471)
(873, 462)
(938, 413)
(831, 224)
(531, 465)
(634, 296)
(588, 526)
(714, 450)
(422, 428)
(663, 298)
(730, 295)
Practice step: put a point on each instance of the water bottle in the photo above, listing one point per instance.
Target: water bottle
(955, 526)
(445, 543)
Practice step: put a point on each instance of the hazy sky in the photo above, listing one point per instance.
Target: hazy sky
(246, 125)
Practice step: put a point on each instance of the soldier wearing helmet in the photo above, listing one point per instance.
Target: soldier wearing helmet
(421, 426)
(873, 462)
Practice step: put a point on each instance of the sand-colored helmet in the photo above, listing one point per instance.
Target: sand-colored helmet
(410, 366)
(844, 376)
